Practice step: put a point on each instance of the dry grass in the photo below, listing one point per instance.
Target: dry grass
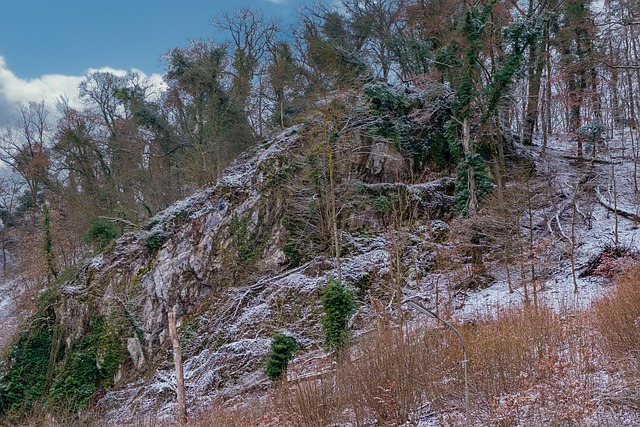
(617, 317)
(526, 366)
(504, 350)
(309, 403)
(393, 373)
(251, 413)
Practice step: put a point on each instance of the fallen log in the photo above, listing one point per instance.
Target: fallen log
(616, 209)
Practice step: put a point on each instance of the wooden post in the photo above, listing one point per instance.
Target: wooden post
(177, 359)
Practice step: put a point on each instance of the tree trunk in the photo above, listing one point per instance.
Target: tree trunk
(573, 238)
(615, 102)
(534, 71)
(177, 359)
(546, 121)
(333, 213)
(630, 89)
(532, 252)
(472, 203)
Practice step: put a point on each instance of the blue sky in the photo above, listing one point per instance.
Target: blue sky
(46, 46)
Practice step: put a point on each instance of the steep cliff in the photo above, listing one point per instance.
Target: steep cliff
(239, 260)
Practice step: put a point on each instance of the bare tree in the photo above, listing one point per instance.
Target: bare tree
(252, 37)
(9, 193)
(177, 359)
(25, 147)
(376, 25)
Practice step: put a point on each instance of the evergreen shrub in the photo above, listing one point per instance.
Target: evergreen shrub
(283, 348)
(338, 304)
(101, 233)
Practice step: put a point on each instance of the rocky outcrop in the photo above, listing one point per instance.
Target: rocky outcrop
(218, 257)
(186, 254)
(383, 162)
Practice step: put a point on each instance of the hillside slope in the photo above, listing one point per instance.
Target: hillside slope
(235, 262)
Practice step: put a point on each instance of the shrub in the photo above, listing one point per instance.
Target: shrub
(282, 349)
(101, 233)
(591, 131)
(153, 242)
(504, 350)
(384, 98)
(338, 304)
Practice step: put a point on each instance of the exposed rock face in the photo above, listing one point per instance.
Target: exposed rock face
(197, 254)
(218, 257)
(135, 351)
(384, 163)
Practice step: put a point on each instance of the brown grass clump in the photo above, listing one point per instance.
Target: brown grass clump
(617, 317)
(390, 375)
(252, 413)
(504, 350)
(394, 373)
(309, 403)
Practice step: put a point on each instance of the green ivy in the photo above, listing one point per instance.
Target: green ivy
(48, 241)
(91, 365)
(338, 304)
(25, 377)
(483, 182)
(382, 204)
(154, 242)
(101, 233)
(282, 350)
(244, 241)
(25, 382)
(384, 99)
(39, 370)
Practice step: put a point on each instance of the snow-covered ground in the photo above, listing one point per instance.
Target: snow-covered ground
(592, 235)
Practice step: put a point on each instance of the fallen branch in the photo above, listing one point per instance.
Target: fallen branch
(620, 211)
(113, 219)
(556, 218)
(588, 159)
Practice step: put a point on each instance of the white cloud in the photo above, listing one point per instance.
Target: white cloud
(277, 1)
(49, 88)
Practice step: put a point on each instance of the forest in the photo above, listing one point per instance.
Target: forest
(457, 91)
(507, 71)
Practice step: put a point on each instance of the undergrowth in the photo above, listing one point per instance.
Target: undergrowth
(43, 373)
(526, 367)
